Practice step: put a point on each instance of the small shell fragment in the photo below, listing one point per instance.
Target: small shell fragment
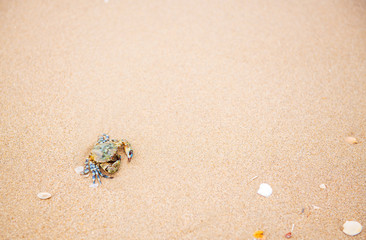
(44, 195)
(253, 178)
(93, 185)
(288, 235)
(265, 190)
(316, 207)
(352, 228)
(351, 140)
(322, 186)
(259, 234)
(79, 169)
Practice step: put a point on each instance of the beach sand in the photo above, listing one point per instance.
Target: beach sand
(209, 93)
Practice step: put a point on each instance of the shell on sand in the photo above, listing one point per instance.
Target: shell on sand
(322, 186)
(79, 169)
(265, 190)
(44, 195)
(351, 140)
(93, 185)
(352, 228)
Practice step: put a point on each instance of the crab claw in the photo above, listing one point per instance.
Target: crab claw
(128, 149)
(129, 155)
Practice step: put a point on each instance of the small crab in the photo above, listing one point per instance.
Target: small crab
(105, 155)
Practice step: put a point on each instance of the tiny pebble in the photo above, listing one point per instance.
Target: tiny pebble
(352, 228)
(79, 169)
(93, 185)
(265, 190)
(44, 195)
(322, 186)
(351, 140)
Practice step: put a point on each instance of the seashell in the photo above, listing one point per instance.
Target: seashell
(316, 207)
(93, 185)
(352, 228)
(44, 195)
(351, 140)
(79, 169)
(265, 190)
(322, 186)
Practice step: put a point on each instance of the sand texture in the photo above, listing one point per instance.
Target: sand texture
(209, 94)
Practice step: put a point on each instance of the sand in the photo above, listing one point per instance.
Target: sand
(209, 93)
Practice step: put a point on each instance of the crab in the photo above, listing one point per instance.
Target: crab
(105, 155)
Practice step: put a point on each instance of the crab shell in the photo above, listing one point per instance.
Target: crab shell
(104, 152)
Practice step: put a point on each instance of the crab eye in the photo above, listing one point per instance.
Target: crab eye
(130, 153)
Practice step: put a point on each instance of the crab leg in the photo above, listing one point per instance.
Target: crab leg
(104, 138)
(98, 177)
(86, 168)
(101, 174)
(93, 170)
(96, 173)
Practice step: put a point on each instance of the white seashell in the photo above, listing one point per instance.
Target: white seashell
(44, 195)
(352, 228)
(265, 190)
(322, 186)
(351, 140)
(316, 207)
(93, 185)
(79, 169)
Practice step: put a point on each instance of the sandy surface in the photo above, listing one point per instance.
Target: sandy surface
(209, 93)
